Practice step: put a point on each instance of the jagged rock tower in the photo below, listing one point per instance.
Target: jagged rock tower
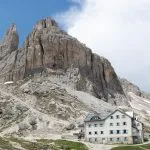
(48, 47)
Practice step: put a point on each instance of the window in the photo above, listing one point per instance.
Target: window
(111, 124)
(90, 133)
(111, 117)
(111, 139)
(111, 131)
(117, 117)
(102, 132)
(96, 118)
(95, 125)
(101, 125)
(118, 124)
(125, 132)
(90, 139)
(95, 139)
(89, 125)
(118, 139)
(95, 132)
(123, 116)
(125, 139)
(124, 123)
(118, 131)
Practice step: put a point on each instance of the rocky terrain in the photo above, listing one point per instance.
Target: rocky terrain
(139, 102)
(44, 106)
(53, 81)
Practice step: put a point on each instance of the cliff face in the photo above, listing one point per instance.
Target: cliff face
(10, 42)
(48, 47)
(130, 87)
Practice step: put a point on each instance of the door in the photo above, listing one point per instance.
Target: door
(103, 140)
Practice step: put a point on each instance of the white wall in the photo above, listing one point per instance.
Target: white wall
(138, 132)
(92, 129)
(121, 127)
(106, 127)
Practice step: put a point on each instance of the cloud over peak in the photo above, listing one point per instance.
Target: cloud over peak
(116, 29)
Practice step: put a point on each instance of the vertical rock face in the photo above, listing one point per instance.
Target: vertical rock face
(10, 42)
(8, 51)
(48, 47)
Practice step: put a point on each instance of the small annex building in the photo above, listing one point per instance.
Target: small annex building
(111, 128)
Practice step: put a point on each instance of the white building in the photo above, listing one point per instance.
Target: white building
(115, 127)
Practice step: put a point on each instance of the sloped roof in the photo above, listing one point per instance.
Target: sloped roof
(97, 116)
(102, 116)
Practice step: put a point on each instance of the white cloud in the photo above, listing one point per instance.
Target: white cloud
(116, 29)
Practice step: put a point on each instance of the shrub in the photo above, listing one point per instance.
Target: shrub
(145, 139)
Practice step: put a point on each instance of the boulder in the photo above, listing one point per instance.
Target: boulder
(70, 127)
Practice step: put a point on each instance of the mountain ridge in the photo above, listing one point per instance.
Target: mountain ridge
(47, 49)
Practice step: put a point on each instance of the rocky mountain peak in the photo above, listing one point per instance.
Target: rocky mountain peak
(48, 49)
(46, 23)
(12, 37)
(10, 42)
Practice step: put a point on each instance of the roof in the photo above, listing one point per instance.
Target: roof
(97, 116)
(121, 111)
(102, 116)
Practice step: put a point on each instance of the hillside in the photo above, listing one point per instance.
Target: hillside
(53, 81)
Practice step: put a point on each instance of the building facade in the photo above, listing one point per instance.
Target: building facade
(116, 127)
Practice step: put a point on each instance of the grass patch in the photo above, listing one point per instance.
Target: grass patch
(31, 145)
(136, 147)
(69, 145)
(4, 144)
(47, 144)
(147, 146)
(64, 144)
(127, 148)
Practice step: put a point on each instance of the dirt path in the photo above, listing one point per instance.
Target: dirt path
(98, 146)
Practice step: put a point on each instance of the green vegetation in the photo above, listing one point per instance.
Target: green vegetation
(68, 145)
(145, 139)
(136, 147)
(127, 148)
(147, 146)
(65, 145)
(4, 144)
(44, 144)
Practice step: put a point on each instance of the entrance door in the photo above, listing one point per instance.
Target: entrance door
(103, 140)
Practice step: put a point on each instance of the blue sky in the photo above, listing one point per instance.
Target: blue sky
(25, 13)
